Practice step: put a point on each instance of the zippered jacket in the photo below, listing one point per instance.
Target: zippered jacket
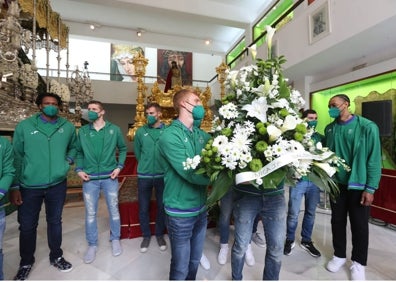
(145, 147)
(357, 142)
(185, 191)
(100, 166)
(43, 157)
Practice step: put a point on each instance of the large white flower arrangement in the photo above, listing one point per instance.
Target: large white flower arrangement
(258, 136)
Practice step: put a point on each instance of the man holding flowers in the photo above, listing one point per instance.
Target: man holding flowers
(185, 191)
(258, 144)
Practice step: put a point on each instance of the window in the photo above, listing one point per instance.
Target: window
(236, 52)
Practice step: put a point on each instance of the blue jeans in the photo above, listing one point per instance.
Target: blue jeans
(145, 188)
(226, 205)
(187, 237)
(272, 210)
(28, 218)
(2, 229)
(91, 193)
(311, 193)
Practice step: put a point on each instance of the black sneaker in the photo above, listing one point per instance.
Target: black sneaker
(161, 243)
(23, 272)
(62, 265)
(310, 248)
(145, 244)
(289, 245)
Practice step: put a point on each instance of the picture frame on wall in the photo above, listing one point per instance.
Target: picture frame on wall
(319, 23)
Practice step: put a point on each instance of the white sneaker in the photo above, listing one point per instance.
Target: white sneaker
(358, 271)
(335, 264)
(116, 248)
(258, 240)
(205, 263)
(249, 257)
(223, 254)
(90, 254)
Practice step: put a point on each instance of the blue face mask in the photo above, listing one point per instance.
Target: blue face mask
(50, 110)
(312, 123)
(151, 120)
(198, 111)
(334, 112)
(92, 116)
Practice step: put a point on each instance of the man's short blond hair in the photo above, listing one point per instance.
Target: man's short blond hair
(181, 95)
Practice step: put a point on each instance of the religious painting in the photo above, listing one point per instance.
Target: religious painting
(183, 61)
(121, 66)
(319, 23)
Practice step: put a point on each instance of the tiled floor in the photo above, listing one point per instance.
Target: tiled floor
(154, 265)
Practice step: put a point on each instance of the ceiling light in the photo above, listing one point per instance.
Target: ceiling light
(93, 26)
(139, 33)
(207, 42)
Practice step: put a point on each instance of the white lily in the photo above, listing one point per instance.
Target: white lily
(270, 34)
(273, 132)
(290, 123)
(253, 51)
(258, 108)
(326, 167)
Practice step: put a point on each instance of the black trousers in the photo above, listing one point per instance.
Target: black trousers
(348, 204)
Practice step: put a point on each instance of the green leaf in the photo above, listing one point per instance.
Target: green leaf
(214, 175)
(325, 183)
(219, 188)
(273, 179)
(200, 171)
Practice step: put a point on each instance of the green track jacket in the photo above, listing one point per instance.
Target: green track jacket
(42, 159)
(103, 165)
(185, 191)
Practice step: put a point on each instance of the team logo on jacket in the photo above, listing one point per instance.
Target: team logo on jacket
(111, 131)
(61, 130)
(34, 132)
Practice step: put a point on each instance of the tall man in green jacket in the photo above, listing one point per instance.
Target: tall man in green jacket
(150, 175)
(185, 191)
(98, 166)
(44, 148)
(356, 140)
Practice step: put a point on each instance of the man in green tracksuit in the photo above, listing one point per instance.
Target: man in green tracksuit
(44, 148)
(98, 167)
(185, 191)
(356, 140)
(150, 175)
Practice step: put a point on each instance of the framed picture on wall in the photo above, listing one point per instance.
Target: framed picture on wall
(121, 66)
(182, 59)
(319, 23)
